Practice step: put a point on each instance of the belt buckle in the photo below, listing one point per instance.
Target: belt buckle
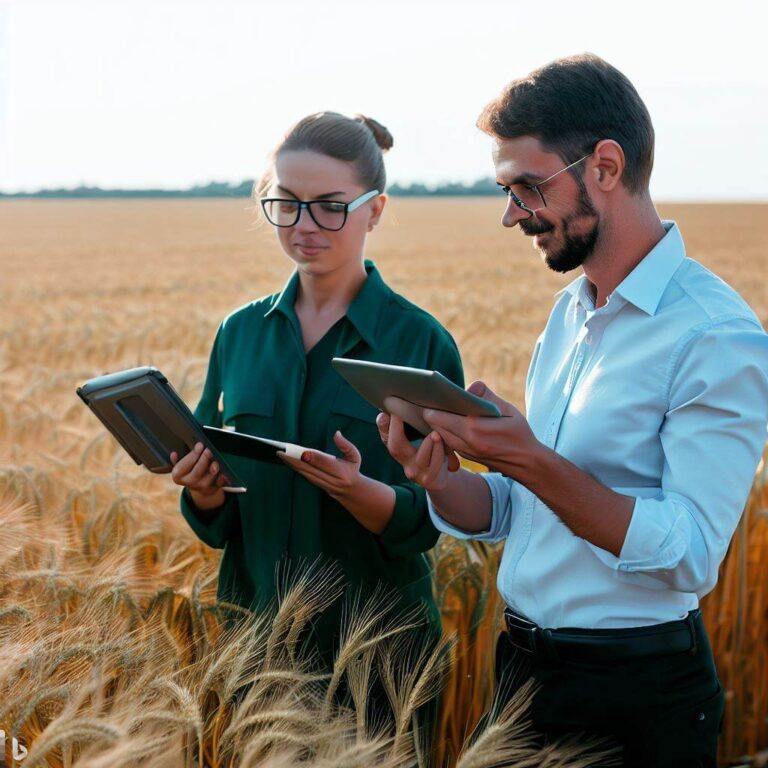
(520, 624)
(533, 638)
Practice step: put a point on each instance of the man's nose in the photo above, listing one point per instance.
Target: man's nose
(513, 213)
(305, 222)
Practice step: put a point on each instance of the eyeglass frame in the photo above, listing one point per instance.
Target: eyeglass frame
(348, 208)
(507, 189)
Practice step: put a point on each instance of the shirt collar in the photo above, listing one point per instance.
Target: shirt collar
(573, 287)
(645, 284)
(284, 301)
(367, 307)
(364, 312)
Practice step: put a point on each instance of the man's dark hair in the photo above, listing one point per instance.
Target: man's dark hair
(569, 105)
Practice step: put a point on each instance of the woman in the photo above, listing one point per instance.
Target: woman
(270, 375)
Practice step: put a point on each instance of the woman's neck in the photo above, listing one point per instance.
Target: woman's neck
(330, 293)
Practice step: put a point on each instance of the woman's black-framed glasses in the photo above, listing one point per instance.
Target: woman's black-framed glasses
(529, 197)
(327, 214)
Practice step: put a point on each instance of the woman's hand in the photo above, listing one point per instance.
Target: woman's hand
(338, 477)
(201, 475)
(429, 465)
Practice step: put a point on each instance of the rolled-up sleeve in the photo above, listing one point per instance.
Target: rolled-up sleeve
(505, 497)
(216, 526)
(713, 435)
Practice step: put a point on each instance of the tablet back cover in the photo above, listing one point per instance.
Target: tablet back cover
(148, 418)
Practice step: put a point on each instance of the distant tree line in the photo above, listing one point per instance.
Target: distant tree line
(485, 186)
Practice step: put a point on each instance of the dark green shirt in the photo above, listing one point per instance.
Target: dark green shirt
(260, 381)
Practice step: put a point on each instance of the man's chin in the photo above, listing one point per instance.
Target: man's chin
(557, 261)
(551, 255)
(557, 265)
(565, 256)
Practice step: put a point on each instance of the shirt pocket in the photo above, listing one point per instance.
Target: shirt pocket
(349, 404)
(250, 411)
(355, 417)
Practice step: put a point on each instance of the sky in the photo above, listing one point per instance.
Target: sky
(171, 94)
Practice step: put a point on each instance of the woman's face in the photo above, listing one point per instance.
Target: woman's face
(305, 175)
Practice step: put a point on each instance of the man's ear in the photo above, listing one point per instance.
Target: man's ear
(607, 164)
(377, 208)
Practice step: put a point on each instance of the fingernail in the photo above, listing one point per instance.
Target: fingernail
(198, 447)
(214, 468)
(307, 456)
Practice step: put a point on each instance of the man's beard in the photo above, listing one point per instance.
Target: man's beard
(576, 248)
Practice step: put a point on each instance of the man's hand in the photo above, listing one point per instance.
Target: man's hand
(428, 465)
(501, 444)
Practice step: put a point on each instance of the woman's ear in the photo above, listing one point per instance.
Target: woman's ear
(377, 207)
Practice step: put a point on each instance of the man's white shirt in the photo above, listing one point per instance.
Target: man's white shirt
(662, 395)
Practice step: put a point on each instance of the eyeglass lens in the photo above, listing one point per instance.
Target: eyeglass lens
(529, 196)
(327, 214)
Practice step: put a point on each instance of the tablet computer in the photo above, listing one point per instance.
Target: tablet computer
(149, 420)
(251, 446)
(406, 392)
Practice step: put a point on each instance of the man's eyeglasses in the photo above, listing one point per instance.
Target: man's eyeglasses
(529, 197)
(327, 214)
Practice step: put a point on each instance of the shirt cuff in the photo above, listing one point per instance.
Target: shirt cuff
(459, 533)
(409, 530)
(657, 535)
(212, 527)
(656, 539)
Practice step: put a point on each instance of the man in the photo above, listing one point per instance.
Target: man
(646, 402)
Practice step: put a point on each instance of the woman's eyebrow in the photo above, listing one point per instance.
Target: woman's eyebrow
(318, 197)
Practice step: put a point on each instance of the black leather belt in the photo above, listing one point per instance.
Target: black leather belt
(575, 644)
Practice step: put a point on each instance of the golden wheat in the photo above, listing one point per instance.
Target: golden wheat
(114, 650)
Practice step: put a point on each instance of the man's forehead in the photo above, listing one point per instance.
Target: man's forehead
(523, 154)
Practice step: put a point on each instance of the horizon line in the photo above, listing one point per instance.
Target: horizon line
(480, 187)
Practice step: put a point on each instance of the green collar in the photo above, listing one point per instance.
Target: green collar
(364, 312)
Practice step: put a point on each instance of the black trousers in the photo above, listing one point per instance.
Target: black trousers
(663, 711)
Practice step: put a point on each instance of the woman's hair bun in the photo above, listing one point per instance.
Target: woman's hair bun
(380, 133)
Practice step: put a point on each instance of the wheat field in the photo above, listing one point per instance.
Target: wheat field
(112, 648)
